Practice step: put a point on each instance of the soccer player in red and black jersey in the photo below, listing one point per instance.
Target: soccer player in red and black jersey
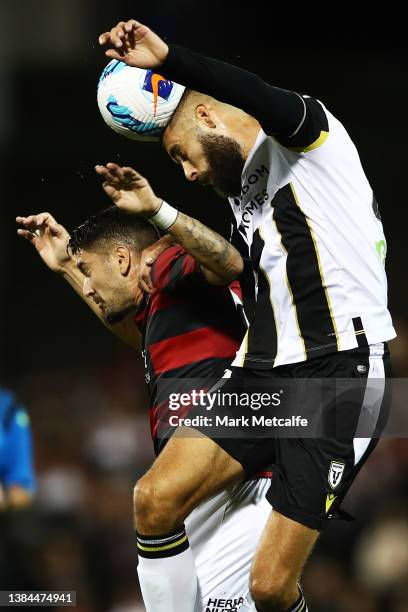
(180, 340)
(189, 327)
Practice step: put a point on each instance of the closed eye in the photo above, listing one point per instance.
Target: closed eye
(83, 268)
(177, 154)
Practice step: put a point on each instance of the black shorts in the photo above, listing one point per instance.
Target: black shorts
(311, 475)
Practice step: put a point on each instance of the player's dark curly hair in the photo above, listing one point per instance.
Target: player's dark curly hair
(112, 225)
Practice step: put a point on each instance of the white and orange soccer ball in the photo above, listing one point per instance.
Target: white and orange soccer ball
(137, 103)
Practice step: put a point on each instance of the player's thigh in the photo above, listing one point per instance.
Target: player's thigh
(193, 467)
(282, 551)
(313, 475)
(223, 534)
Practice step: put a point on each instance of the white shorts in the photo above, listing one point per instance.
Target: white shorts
(223, 533)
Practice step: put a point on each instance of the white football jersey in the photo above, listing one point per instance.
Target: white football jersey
(316, 241)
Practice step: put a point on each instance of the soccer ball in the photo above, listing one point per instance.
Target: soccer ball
(135, 102)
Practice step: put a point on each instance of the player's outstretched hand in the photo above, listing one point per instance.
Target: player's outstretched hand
(48, 237)
(135, 44)
(129, 190)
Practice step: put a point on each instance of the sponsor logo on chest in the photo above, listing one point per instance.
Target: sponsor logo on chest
(254, 194)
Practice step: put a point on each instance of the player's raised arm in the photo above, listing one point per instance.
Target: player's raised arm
(220, 262)
(50, 239)
(295, 121)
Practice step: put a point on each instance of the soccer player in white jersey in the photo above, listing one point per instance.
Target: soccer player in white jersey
(307, 213)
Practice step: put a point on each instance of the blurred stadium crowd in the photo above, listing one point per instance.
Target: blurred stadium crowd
(86, 395)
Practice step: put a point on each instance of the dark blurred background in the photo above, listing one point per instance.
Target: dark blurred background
(83, 390)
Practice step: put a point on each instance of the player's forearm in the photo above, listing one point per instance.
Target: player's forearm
(279, 111)
(220, 261)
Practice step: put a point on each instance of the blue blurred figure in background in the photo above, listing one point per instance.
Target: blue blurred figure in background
(17, 480)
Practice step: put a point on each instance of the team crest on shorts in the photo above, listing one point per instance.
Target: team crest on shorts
(336, 473)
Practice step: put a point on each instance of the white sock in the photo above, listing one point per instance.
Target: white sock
(167, 573)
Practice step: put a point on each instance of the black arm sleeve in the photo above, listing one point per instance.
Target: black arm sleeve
(280, 112)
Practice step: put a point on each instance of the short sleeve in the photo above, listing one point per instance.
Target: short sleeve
(312, 131)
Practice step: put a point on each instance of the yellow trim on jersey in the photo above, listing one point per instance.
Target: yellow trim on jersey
(291, 294)
(245, 340)
(320, 269)
(167, 547)
(315, 145)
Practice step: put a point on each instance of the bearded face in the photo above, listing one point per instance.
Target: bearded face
(225, 164)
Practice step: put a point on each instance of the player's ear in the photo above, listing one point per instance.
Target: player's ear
(123, 259)
(205, 115)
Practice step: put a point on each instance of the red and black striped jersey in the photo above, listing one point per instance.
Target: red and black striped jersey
(191, 329)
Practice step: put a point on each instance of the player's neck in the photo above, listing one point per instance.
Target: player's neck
(244, 129)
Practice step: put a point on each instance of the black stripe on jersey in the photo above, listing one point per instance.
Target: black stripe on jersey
(257, 247)
(172, 321)
(200, 374)
(203, 370)
(262, 340)
(376, 208)
(246, 278)
(185, 317)
(242, 231)
(177, 274)
(212, 368)
(314, 317)
(360, 333)
(175, 271)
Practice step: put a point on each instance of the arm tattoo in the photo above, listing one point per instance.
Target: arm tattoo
(207, 247)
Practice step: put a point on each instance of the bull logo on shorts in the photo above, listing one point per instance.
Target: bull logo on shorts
(336, 473)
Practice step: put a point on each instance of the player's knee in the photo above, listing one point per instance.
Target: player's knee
(154, 506)
(273, 596)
